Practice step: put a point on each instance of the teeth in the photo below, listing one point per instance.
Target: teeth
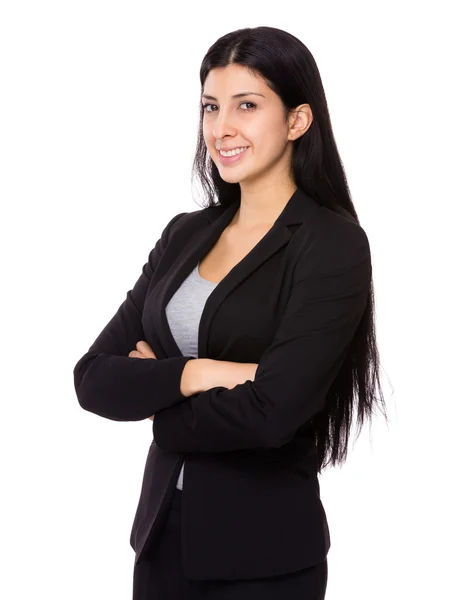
(233, 152)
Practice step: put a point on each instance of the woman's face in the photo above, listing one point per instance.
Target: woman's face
(255, 120)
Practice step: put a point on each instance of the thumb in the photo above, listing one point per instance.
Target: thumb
(145, 349)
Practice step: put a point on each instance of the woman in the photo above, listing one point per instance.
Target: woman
(254, 317)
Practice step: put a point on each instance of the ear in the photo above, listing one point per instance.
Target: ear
(300, 119)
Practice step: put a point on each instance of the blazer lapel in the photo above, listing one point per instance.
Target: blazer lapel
(200, 243)
(163, 469)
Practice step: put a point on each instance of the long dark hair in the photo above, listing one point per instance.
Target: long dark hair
(290, 70)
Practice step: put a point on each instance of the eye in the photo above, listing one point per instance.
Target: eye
(204, 106)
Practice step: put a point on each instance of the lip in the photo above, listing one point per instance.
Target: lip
(228, 148)
(229, 160)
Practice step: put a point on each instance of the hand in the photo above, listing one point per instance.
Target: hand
(191, 381)
(222, 373)
(144, 350)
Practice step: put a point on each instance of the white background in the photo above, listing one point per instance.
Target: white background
(98, 126)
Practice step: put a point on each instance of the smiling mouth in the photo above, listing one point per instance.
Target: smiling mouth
(232, 158)
(241, 150)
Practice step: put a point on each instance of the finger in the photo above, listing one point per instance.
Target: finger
(136, 354)
(145, 349)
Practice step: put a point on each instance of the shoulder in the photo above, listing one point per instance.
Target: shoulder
(340, 230)
(336, 243)
(184, 222)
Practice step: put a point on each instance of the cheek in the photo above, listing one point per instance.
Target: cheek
(206, 134)
(207, 129)
(265, 139)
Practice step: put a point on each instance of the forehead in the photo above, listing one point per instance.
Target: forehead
(233, 79)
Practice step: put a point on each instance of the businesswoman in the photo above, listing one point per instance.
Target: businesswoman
(248, 340)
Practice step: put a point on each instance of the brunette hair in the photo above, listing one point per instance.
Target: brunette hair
(289, 69)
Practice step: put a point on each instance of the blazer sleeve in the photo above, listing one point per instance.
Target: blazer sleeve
(327, 301)
(111, 384)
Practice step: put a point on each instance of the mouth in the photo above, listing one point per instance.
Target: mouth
(229, 160)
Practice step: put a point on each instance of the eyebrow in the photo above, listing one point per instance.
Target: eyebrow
(240, 95)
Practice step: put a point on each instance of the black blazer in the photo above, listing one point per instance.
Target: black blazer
(251, 501)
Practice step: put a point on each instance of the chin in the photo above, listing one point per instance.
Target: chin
(229, 175)
(231, 179)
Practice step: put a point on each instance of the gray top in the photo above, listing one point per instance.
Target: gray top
(183, 314)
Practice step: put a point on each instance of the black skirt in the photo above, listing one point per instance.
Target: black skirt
(159, 575)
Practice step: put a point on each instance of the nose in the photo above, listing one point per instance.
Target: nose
(223, 125)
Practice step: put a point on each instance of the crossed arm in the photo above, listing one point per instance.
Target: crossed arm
(202, 374)
(328, 296)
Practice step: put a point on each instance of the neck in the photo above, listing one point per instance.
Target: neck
(261, 209)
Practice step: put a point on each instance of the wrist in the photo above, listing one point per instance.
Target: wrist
(228, 374)
(193, 377)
